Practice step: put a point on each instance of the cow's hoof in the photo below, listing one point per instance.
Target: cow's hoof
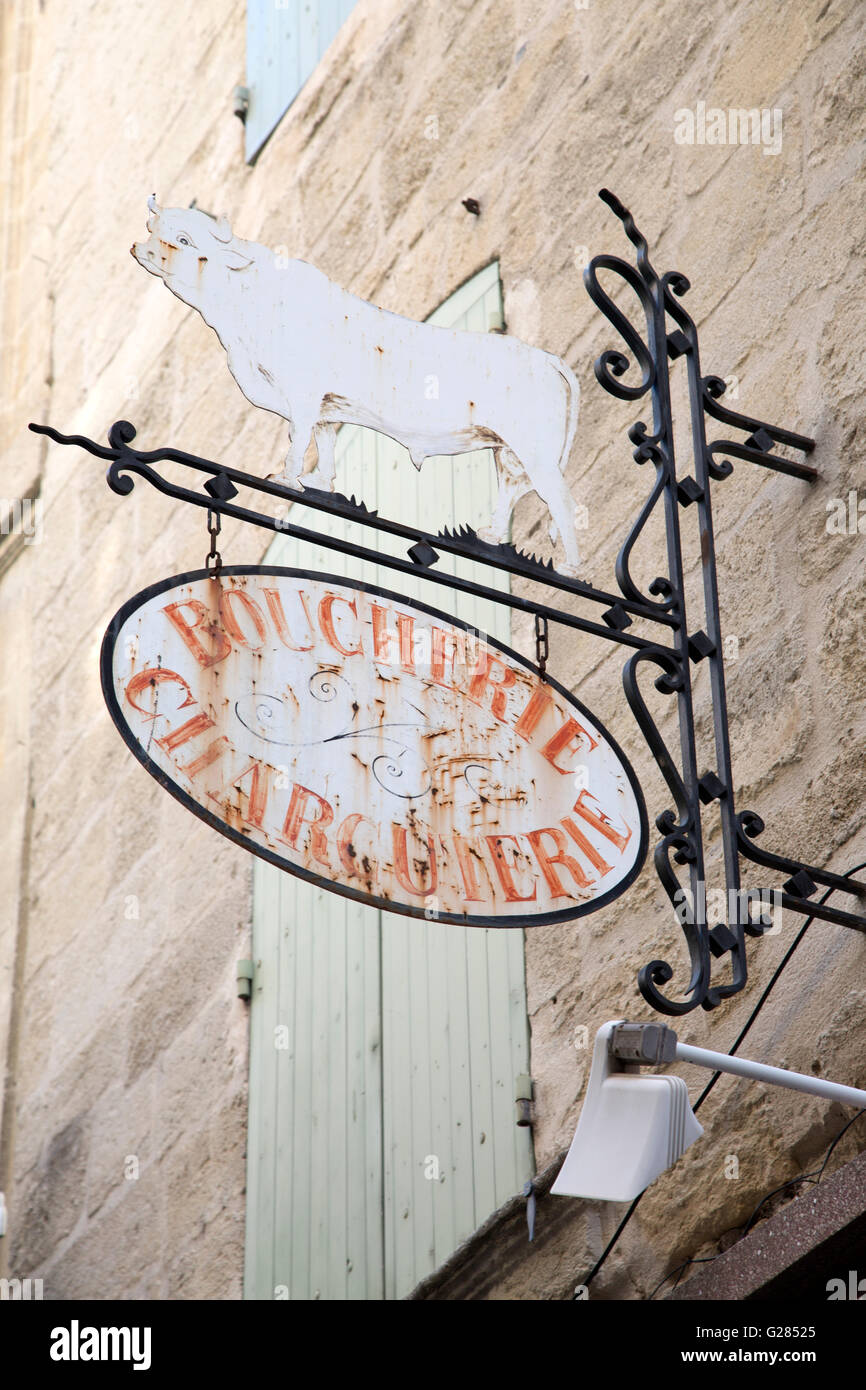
(317, 480)
(284, 478)
(569, 571)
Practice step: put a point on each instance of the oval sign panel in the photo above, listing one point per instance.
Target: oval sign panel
(374, 746)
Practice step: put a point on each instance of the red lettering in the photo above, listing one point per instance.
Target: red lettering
(503, 869)
(278, 617)
(230, 622)
(211, 754)
(382, 634)
(484, 676)
(196, 725)
(406, 629)
(296, 817)
(467, 868)
(401, 864)
(592, 854)
(326, 622)
(540, 700)
(547, 860)
(188, 631)
(191, 729)
(439, 656)
(153, 677)
(258, 773)
(601, 821)
(345, 846)
(567, 739)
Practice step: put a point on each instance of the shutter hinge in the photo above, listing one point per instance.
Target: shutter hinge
(246, 973)
(523, 1101)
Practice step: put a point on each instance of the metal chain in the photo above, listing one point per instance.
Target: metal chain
(542, 649)
(213, 560)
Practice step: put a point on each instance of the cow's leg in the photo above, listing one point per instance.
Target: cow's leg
(292, 466)
(556, 496)
(510, 493)
(300, 432)
(325, 470)
(513, 484)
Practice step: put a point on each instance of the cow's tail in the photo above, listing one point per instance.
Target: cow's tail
(572, 389)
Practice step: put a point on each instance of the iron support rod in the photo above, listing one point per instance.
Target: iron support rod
(827, 914)
(335, 505)
(378, 557)
(774, 1076)
(712, 618)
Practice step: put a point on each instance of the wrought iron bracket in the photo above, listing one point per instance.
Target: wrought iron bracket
(666, 335)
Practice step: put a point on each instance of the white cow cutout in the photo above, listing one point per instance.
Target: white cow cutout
(302, 347)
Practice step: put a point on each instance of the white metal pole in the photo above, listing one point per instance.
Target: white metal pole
(776, 1076)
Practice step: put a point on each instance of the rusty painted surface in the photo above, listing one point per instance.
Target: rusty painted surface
(374, 746)
(308, 350)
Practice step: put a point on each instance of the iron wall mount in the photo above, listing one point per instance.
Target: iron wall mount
(667, 334)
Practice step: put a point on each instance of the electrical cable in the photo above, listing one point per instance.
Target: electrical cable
(804, 1177)
(792, 1182)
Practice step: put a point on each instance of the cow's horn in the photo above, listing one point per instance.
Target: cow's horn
(222, 229)
(152, 204)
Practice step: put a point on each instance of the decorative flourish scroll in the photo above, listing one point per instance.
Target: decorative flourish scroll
(611, 365)
(804, 878)
(680, 830)
(648, 447)
(400, 770)
(671, 680)
(658, 972)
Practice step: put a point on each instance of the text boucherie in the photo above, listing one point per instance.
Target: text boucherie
(377, 746)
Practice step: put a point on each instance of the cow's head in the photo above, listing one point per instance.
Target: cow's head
(188, 249)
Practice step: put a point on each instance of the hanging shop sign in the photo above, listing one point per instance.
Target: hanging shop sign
(377, 746)
(374, 746)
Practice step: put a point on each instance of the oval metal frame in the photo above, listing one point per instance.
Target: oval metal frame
(106, 673)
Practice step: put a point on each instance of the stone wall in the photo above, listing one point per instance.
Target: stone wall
(123, 916)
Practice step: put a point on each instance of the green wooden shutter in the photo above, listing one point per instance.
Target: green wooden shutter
(383, 1134)
(285, 41)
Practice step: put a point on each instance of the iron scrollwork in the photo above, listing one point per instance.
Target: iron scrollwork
(666, 334)
(681, 831)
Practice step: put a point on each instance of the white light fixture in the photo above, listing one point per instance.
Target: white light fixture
(633, 1127)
